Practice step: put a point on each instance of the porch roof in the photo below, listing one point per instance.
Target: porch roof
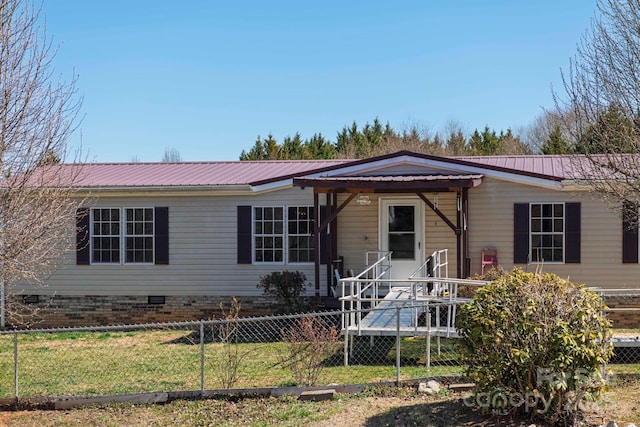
(389, 182)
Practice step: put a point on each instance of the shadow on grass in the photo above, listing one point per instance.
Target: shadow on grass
(245, 334)
(442, 413)
(363, 353)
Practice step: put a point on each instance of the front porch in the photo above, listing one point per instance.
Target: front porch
(410, 216)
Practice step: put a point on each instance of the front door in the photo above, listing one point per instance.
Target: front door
(401, 231)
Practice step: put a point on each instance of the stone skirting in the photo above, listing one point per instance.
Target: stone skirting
(624, 319)
(66, 311)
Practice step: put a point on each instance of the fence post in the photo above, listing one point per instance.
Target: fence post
(346, 347)
(428, 336)
(202, 357)
(397, 345)
(15, 362)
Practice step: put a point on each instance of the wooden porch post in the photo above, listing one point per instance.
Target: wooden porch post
(465, 234)
(459, 232)
(333, 239)
(316, 241)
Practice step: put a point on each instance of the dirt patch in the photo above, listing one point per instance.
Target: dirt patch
(383, 406)
(425, 411)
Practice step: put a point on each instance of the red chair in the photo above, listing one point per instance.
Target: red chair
(489, 257)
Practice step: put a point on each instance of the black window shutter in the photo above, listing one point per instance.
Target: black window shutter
(520, 233)
(162, 235)
(83, 250)
(244, 235)
(572, 230)
(629, 234)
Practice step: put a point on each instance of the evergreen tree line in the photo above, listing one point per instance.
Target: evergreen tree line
(548, 134)
(378, 139)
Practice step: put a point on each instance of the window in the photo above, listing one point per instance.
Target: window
(541, 224)
(139, 235)
(122, 235)
(300, 234)
(547, 232)
(105, 235)
(273, 242)
(268, 233)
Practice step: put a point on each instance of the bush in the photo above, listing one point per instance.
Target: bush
(227, 364)
(534, 344)
(310, 341)
(286, 287)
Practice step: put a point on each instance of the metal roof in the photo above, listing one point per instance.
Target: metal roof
(92, 175)
(253, 173)
(556, 166)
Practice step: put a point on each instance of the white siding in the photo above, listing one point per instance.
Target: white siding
(203, 240)
(202, 252)
(491, 224)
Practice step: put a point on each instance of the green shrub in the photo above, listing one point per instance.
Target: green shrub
(286, 288)
(536, 344)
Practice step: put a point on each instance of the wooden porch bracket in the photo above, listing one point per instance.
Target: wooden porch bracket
(318, 227)
(335, 213)
(462, 239)
(440, 214)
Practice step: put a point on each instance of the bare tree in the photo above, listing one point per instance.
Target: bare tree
(602, 102)
(37, 116)
(171, 155)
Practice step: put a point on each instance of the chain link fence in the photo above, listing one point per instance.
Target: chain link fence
(275, 351)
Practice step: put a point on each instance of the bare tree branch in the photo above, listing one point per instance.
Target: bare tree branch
(37, 116)
(602, 102)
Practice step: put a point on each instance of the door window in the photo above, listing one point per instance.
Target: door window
(402, 233)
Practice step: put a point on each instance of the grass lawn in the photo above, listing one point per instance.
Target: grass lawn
(97, 363)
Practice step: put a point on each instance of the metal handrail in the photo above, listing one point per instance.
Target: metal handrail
(446, 294)
(379, 269)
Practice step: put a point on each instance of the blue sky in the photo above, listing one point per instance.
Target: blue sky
(208, 77)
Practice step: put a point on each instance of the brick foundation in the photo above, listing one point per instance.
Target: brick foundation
(64, 311)
(624, 319)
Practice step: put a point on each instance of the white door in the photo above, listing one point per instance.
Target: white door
(401, 231)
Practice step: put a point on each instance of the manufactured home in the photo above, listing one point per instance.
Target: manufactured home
(171, 241)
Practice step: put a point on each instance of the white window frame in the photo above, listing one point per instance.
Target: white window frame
(92, 222)
(552, 233)
(133, 235)
(285, 234)
(122, 236)
(309, 234)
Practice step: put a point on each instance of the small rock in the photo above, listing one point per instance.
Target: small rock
(631, 425)
(434, 385)
(531, 425)
(430, 387)
(612, 423)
